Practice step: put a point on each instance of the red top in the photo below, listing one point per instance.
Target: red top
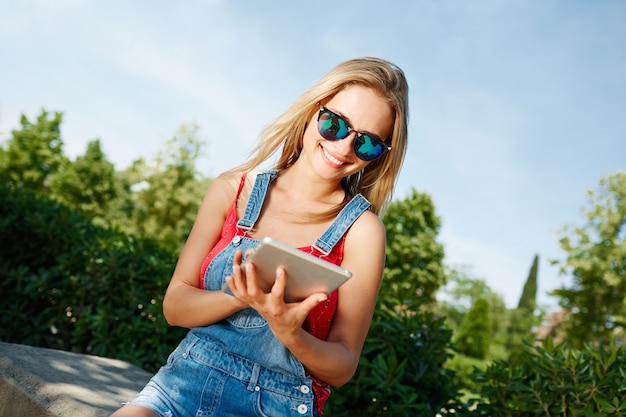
(320, 319)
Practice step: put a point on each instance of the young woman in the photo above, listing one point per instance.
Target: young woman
(342, 144)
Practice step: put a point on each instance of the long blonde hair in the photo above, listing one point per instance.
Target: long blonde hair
(377, 181)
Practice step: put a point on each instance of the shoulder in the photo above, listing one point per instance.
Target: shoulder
(232, 186)
(367, 228)
(221, 193)
(233, 180)
(367, 223)
(228, 180)
(226, 185)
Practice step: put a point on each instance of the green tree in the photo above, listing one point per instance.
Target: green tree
(414, 268)
(454, 302)
(33, 153)
(166, 194)
(460, 294)
(88, 184)
(523, 318)
(596, 260)
(528, 299)
(474, 336)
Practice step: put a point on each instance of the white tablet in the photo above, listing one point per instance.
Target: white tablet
(306, 274)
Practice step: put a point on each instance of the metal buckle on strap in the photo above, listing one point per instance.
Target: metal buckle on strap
(243, 227)
(324, 252)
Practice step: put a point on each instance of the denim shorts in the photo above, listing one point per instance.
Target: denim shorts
(201, 379)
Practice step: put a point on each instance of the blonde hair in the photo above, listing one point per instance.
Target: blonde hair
(377, 181)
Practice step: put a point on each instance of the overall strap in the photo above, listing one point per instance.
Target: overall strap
(341, 224)
(255, 201)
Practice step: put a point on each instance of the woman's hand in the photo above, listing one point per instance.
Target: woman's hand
(285, 319)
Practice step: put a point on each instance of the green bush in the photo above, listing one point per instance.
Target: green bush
(474, 336)
(553, 380)
(401, 371)
(70, 285)
(464, 367)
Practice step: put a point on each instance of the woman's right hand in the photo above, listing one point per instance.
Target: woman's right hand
(285, 319)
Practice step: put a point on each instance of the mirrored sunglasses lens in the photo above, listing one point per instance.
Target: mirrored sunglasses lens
(368, 148)
(331, 126)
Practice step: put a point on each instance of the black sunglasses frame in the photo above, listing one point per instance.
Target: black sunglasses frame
(358, 140)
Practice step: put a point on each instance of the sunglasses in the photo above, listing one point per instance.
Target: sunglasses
(367, 147)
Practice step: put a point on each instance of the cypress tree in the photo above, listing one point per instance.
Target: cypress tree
(528, 300)
(523, 317)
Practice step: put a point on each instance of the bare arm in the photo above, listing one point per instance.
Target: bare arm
(185, 303)
(335, 360)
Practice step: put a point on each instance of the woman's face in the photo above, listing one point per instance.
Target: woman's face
(365, 111)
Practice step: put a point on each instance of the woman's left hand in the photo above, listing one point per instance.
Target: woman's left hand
(285, 319)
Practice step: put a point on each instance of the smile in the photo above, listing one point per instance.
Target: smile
(331, 158)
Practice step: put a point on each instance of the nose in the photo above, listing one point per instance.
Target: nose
(345, 146)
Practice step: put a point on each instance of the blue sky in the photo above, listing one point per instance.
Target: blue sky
(517, 107)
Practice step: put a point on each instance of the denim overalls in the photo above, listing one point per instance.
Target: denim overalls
(236, 367)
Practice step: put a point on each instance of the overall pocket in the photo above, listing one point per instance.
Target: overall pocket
(274, 404)
(247, 318)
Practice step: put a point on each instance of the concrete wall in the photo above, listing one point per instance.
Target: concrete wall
(37, 382)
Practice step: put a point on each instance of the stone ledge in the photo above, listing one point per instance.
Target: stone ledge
(38, 382)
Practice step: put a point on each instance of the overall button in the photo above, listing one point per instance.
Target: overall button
(304, 389)
(236, 240)
(302, 409)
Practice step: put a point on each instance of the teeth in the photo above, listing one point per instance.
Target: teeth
(333, 160)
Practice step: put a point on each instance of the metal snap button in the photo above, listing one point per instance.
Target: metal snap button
(257, 388)
(236, 240)
(302, 409)
(305, 389)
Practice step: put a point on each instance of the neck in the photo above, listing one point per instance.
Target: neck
(304, 186)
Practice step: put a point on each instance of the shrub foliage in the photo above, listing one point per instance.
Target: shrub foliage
(401, 370)
(70, 285)
(554, 380)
